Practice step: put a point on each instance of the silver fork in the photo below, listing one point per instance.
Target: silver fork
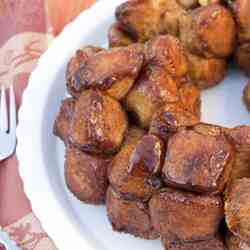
(8, 123)
(7, 242)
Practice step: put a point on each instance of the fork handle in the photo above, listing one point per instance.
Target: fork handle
(7, 242)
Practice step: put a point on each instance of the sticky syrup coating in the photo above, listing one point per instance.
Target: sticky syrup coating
(169, 119)
(106, 71)
(158, 83)
(128, 173)
(99, 123)
(199, 161)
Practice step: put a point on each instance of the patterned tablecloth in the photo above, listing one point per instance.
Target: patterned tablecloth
(26, 29)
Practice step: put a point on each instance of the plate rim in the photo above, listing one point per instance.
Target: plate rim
(27, 122)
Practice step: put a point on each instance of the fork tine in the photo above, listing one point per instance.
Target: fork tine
(12, 116)
(3, 112)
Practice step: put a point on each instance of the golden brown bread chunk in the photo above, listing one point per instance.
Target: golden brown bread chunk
(237, 208)
(78, 60)
(213, 244)
(167, 51)
(86, 175)
(169, 119)
(106, 70)
(184, 216)
(235, 243)
(190, 98)
(206, 72)
(241, 10)
(129, 216)
(246, 95)
(153, 89)
(173, 9)
(145, 19)
(198, 160)
(243, 57)
(133, 136)
(99, 123)
(147, 157)
(128, 177)
(240, 137)
(117, 37)
(64, 118)
(208, 31)
(189, 4)
(241, 167)
(140, 18)
(158, 83)
(210, 129)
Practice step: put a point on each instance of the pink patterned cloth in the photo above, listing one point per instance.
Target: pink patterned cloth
(26, 28)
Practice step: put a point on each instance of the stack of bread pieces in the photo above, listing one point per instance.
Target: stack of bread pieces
(133, 132)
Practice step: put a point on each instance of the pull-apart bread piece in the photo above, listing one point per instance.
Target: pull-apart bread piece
(145, 19)
(167, 52)
(206, 72)
(246, 96)
(243, 57)
(76, 62)
(208, 35)
(237, 208)
(180, 216)
(161, 81)
(190, 98)
(134, 171)
(129, 216)
(208, 31)
(241, 10)
(107, 71)
(216, 243)
(173, 9)
(240, 137)
(63, 120)
(153, 89)
(99, 123)
(117, 37)
(141, 19)
(133, 177)
(198, 159)
(169, 119)
(235, 243)
(147, 157)
(86, 175)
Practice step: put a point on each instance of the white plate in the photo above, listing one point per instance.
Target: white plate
(71, 224)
